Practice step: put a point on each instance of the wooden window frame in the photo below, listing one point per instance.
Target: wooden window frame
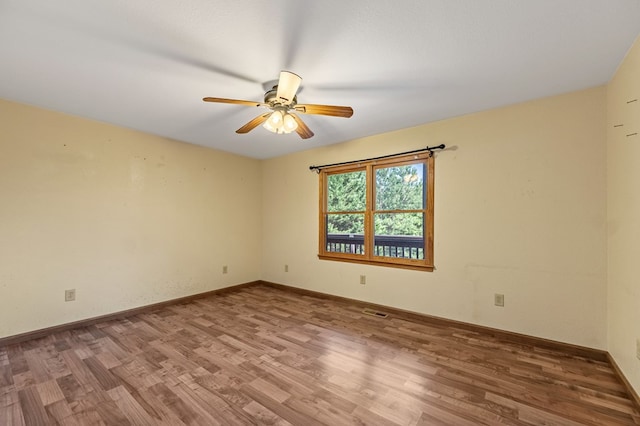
(369, 256)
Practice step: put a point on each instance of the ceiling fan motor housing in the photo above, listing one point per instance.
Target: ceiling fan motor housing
(271, 98)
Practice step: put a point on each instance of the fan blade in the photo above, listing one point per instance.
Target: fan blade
(288, 86)
(332, 110)
(302, 130)
(254, 123)
(233, 101)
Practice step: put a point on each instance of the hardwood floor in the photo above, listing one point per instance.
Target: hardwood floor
(261, 355)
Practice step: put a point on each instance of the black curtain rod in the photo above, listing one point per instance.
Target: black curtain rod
(429, 148)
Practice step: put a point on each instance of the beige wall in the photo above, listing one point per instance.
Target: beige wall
(125, 218)
(129, 219)
(520, 210)
(623, 190)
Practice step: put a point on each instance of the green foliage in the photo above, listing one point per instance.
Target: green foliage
(346, 193)
(345, 224)
(397, 188)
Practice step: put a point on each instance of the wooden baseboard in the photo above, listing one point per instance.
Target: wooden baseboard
(630, 390)
(595, 354)
(523, 339)
(18, 338)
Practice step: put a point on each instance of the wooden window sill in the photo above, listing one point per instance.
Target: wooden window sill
(414, 266)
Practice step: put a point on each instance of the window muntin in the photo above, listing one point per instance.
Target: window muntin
(379, 212)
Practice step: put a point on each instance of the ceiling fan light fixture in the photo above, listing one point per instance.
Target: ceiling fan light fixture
(282, 102)
(274, 122)
(280, 122)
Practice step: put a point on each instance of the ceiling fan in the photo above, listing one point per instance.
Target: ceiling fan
(283, 104)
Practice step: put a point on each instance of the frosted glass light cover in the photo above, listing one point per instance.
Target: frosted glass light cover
(290, 124)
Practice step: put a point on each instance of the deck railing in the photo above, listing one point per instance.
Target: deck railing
(403, 246)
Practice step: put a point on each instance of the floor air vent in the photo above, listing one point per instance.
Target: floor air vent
(374, 313)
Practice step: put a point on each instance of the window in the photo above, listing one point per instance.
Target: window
(379, 212)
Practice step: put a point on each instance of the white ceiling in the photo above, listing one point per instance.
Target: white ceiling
(147, 64)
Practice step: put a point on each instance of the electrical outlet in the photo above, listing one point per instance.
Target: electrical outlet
(363, 279)
(498, 299)
(286, 268)
(225, 269)
(638, 348)
(70, 295)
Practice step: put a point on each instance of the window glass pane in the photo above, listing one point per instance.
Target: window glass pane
(400, 187)
(399, 235)
(345, 233)
(345, 223)
(347, 192)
